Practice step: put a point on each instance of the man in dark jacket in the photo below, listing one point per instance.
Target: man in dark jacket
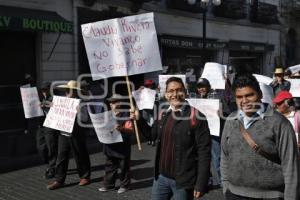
(182, 159)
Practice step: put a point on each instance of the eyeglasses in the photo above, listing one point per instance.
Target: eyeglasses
(177, 91)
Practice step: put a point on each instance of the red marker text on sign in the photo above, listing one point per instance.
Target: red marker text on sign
(134, 26)
(100, 31)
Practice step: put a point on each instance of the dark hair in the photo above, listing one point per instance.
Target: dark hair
(246, 80)
(203, 82)
(174, 79)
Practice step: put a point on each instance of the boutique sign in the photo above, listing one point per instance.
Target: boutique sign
(12, 18)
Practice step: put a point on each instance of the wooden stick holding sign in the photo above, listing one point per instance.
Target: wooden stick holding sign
(133, 108)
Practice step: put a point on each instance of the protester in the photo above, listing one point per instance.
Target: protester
(118, 154)
(284, 104)
(204, 89)
(258, 149)
(31, 124)
(148, 114)
(182, 158)
(75, 142)
(279, 82)
(46, 137)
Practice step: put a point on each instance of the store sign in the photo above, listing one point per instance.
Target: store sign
(190, 43)
(16, 18)
(242, 46)
(7, 22)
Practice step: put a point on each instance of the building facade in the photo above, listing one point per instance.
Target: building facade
(43, 38)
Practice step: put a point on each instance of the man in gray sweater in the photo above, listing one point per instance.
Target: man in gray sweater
(247, 173)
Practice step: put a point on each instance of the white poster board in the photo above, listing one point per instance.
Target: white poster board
(122, 46)
(31, 102)
(215, 74)
(163, 79)
(62, 114)
(144, 98)
(267, 92)
(263, 79)
(294, 69)
(210, 108)
(104, 124)
(295, 87)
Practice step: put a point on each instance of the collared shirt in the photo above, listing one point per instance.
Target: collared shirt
(248, 121)
(174, 110)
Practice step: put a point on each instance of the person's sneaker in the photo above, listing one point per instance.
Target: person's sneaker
(84, 181)
(122, 190)
(54, 185)
(105, 189)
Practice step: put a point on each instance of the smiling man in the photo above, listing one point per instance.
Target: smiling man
(182, 159)
(259, 153)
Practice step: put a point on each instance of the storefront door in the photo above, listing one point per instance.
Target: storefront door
(17, 52)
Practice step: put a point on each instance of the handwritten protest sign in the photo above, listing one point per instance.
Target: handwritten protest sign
(162, 79)
(263, 79)
(121, 47)
(215, 72)
(267, 92)
(209, 107)
(62, 114)
(104, 124)
(31, 102)
(294, 69)
(144, 98)
(295, 87)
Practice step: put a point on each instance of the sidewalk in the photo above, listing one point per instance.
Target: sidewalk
(29, 184)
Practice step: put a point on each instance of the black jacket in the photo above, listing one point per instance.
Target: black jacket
(192, 149)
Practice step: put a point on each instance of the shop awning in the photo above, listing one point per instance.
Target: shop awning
(15, 18)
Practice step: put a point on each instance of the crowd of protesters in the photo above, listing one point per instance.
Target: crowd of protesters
(256, 155)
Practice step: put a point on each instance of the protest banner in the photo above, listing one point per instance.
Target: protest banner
(31, 102)
(122, 46)
(263, 79)
(144, 98)
(162, 79)
(267, 92)
(104, 125)
(215, 74)
(210, 108)
(294, 69)
(295, 87)
(62, 114)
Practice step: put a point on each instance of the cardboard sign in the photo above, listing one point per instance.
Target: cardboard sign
(62, 114)
(104, 124)
(122, 46)
(31, 102)
(210, 108)
(215, 74)
(144, 98)
(295, 87)
(163, 79)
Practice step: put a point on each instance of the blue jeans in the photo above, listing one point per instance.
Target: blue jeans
(215, 158)
(164, 188)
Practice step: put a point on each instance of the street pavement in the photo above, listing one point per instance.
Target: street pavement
(29, 184)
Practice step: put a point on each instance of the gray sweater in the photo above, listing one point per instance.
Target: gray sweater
(247, 173)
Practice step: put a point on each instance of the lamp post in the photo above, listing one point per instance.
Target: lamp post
(204, 5)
